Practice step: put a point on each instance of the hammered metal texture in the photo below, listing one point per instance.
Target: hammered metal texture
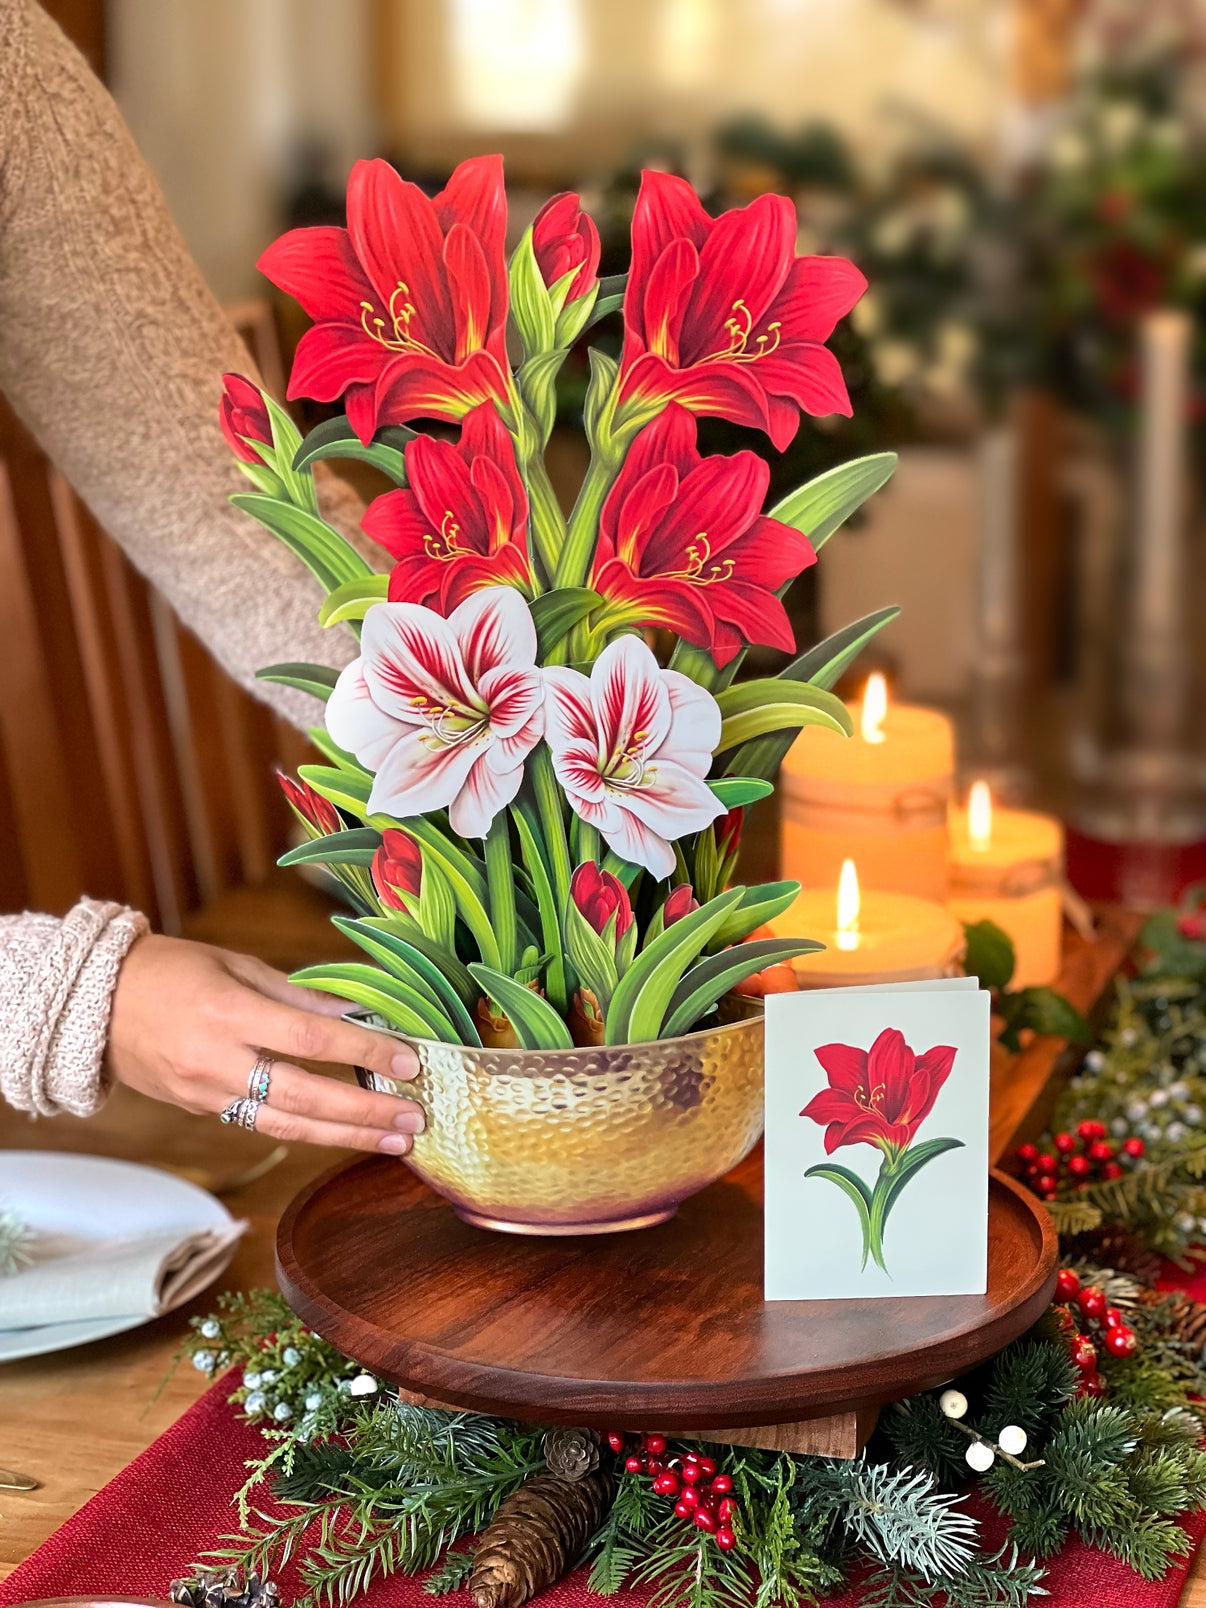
(585, 1140)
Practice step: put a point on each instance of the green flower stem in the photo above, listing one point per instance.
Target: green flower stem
(573, 566)
(500, 879)
(588, 842)
(548, 522)
(552, 820)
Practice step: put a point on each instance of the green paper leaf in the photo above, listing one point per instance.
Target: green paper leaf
(400, 925)
(989, 955)
(819, 507)
(735, 792)
(591, 955)
(532, 848)
(759, 904)
(335, 438)
(339, 757)
(365, 985)
(537, 382)
(754, 708)
(557, 612)
(298, 485)
(317, 679)
(355, 847)
(892, 1180)
(437, 905)
(605, 305)
(353, 599)
(710, 979)
(391, 951)
(344, 789)
(639, 1003)
(856, 1190)
(321, 548)
(530, 307)
(535, 1021)
(575, 315)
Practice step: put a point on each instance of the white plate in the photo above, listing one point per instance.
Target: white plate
(95, 1197)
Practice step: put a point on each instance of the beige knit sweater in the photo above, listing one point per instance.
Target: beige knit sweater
(112, 351)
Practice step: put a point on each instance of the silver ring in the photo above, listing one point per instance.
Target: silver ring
(259, 1078)
(242, 1112)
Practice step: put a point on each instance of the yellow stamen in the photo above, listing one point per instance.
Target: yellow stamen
(740, 326)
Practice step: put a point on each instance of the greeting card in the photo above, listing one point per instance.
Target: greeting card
(877, 1141)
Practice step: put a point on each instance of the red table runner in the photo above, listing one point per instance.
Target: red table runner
(174, 1501)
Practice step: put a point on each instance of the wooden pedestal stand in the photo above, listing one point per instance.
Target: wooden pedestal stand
(664, 1328)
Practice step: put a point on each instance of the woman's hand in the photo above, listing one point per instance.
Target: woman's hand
(189, 1021)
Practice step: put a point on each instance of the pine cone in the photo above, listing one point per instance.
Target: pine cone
(535, 1536)
(571, 1454)
(1114, 1246)
(222, 1590)
(1186, 1317)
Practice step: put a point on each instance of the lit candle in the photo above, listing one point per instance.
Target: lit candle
(1007, 867)
(870, 936)
(881, 796)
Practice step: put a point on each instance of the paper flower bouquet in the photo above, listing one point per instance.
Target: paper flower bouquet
(535, 820)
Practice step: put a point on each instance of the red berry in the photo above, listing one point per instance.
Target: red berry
(1133, 1148)
(722, 1485)
(615, 1440)
(1091, 1130)
(666, 1485)
(1084, 1355)
(1027, 1152)
(708, 1464)
(655, 1468)
(704, 1520)
(1101, 1150)
(1079, 1166)
(1114, 1319)
(1050, 1189)
(726, 1510)
(691, 1457)
(633, 1463)
(1111, 1170)
(1091, 1302)
(1066, 1284)
(1120, 1342)
(690, 1496)
(692, 1473)
(683, 1509)
(725, 1539)
(1047, 1164)
(1092, 1385)
(656, 1444)
(1063, 1321)
(1065, 1143)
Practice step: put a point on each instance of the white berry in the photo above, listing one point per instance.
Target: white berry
(953, 1403)
(980, 1456)
(363, 1385)
(1012, 1439)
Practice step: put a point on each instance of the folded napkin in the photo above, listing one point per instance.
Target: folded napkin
(73, 1279)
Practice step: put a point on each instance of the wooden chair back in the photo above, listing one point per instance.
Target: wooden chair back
(131, 766)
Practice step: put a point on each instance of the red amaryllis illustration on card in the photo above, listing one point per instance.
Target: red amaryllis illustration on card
(880, 1097)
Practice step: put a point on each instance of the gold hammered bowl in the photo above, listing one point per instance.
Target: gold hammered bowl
(583, 1141)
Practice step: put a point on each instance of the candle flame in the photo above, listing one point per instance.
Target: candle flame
(847, 907)
(875, 708)
(979, 816)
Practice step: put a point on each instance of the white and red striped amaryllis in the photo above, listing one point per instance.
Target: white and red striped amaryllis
(444, 711)
(631, 747)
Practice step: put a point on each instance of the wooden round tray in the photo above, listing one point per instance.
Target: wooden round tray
(664, 1326)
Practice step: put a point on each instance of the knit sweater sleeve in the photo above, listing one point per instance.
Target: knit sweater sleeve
(56, 987)
(112, 351)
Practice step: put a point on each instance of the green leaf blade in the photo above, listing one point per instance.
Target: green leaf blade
(826, 502)
(536, 1023)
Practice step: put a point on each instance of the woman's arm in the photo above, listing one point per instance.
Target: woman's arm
(112, 350)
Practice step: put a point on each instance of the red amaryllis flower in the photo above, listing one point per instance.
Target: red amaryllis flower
(315, 811)
(563, 238)
(679, 903)
(721, 315)
(409, 301)
(461, 522)
(397, 869)
(600, 896)
(242, 415)
(683, 543)
(879, 1096)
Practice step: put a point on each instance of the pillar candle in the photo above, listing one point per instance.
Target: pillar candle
(880, 797)
(884, 938)
(1007, 867)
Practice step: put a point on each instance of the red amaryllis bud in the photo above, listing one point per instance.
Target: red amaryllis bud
(315, 810)
(728, 830)
(397, 869)
(565, 237)
(598, 896)
(242, 413)
(680, 903)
